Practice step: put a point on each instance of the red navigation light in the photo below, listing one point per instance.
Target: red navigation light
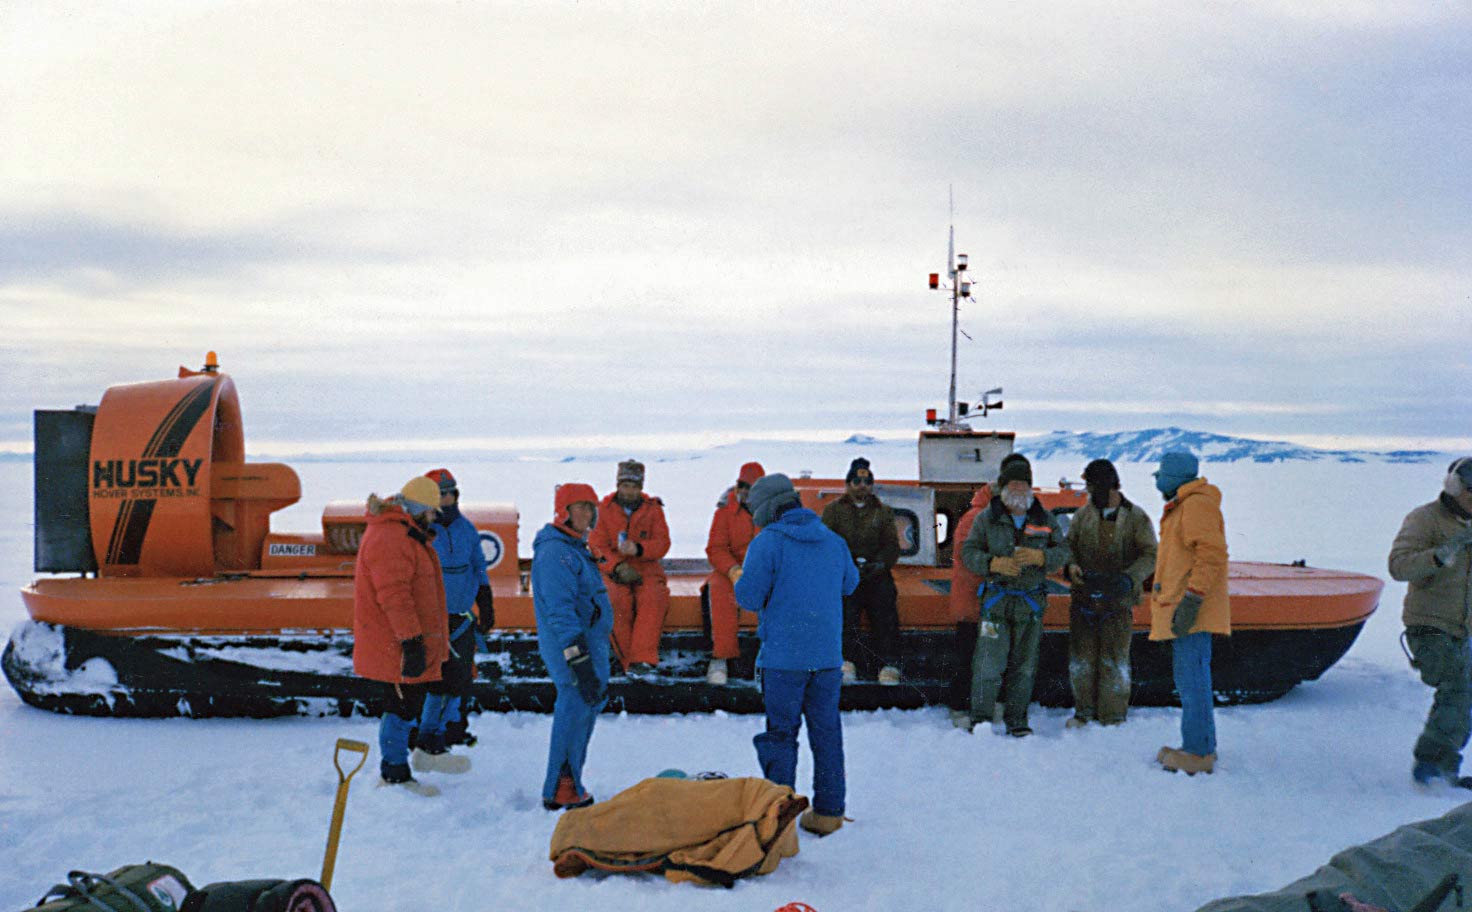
(935, 280)
(930, 416)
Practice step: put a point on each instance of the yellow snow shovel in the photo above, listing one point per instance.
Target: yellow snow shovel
(343, 779)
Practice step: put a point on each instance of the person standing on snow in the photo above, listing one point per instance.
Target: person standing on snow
(731, 531)
(400, 636)
(574, 620)
(470, 604)
(1113, 547)
(628, 543)
(868, 527)
(1431, 556)
(1013, 545)
(1190, 602)
(965, 610)
(796, 575)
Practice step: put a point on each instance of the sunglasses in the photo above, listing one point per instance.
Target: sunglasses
(865, 480)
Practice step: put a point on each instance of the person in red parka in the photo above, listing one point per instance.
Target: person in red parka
(630, 539)
(400, 626)
(731, 530)
(965, 609)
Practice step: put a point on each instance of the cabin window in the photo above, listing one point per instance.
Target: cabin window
(907, 525)
(1064, 515)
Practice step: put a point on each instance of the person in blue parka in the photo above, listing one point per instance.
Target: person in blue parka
(468, 600)
(795, 577)
(574, 623)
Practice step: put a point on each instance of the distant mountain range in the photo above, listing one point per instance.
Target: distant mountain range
(1149, 445)
(1121, 446)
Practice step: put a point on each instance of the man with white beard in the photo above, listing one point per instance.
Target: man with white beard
(1013, 545)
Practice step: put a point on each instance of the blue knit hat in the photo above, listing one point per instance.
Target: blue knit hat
(1176, 468)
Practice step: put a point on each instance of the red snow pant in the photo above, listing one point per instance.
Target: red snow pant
(723, 618)
(638, 618)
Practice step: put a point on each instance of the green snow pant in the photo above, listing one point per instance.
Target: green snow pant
(1099, 659)
(1445, 663)
(1006, 654)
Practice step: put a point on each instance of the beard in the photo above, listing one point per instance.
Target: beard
(1017, 501)
(1100, 499)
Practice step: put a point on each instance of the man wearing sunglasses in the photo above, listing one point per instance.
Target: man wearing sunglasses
(868, 527)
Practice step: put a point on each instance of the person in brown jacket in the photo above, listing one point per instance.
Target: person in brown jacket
(1431, 556)
(867, 525)
(1190, 602)
(1113, 547)
(400, 627)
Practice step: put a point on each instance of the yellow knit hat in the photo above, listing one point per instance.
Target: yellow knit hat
(420, 494)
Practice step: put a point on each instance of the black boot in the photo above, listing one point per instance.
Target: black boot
(458, 732)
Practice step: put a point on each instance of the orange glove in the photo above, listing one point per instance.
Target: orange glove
(1005, 566)
(1029, 557)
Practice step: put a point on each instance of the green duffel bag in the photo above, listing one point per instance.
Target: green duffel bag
(147, 887)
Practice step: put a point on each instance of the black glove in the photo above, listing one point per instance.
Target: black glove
(1185, 617)
(1120, 587)
(413, 663)
(486, 603)
(581, 664)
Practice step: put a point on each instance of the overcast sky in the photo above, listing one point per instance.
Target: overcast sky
(438, 222)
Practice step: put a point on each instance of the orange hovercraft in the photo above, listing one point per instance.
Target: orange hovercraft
(187, 603)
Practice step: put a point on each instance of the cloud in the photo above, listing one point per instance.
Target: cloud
(434, 221)
(95, 252)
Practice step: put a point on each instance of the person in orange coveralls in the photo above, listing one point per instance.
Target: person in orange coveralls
(965, 609)
(630, 539)
(731, 530)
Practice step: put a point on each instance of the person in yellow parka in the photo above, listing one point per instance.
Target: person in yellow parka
(1190, 602)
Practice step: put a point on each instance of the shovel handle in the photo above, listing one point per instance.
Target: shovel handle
(356, 747)
(329, 858)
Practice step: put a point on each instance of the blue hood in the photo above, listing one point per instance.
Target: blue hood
(800, 524)
(552, 534)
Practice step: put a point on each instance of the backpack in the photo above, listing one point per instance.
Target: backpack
(260, 896)
(153, 887)
(147, 887)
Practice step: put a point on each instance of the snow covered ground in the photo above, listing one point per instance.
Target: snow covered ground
(942, 819)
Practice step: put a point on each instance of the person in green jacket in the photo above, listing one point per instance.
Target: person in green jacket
(1113, 546)
(867, 525)
(1013, 545)
(1432, 554)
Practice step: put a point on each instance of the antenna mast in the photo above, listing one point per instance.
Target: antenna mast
(952, 417)
(960, 287)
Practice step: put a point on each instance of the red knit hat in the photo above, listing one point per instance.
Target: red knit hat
(751, 472)
(443, 478)
(569, 494)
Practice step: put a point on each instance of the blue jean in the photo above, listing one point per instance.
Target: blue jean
(791, 697)
(442, 704)
(402, 705)
(572, 728)
(1191, 662)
